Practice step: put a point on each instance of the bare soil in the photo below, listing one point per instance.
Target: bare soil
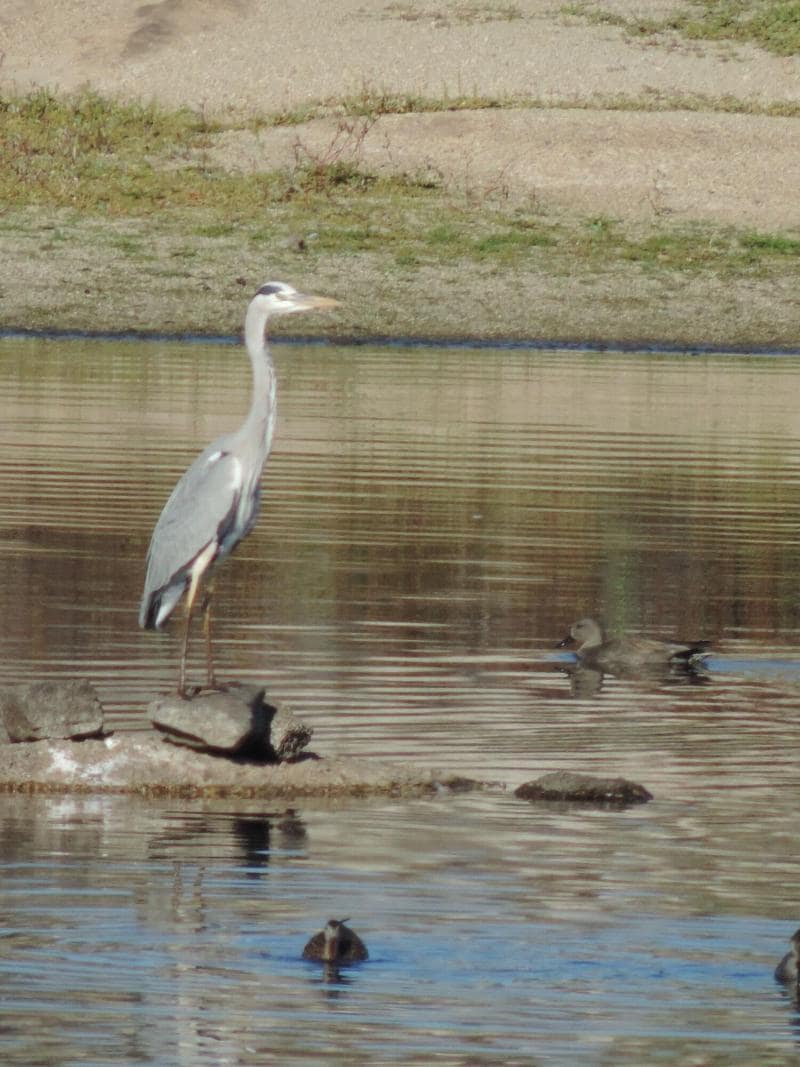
(239, 57)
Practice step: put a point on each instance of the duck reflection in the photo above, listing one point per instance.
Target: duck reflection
(583, 681)
(249, 837)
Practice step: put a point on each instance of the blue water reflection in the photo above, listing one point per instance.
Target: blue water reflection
(119, 958)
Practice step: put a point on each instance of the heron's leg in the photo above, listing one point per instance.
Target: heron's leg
(191, 596)
(211, 680)
(199, 567)
(187, 623)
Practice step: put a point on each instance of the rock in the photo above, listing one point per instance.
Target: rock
(288, 736)
(584, 789)
(140, 762)
(226, 723)
(234, 722)
(51, 710)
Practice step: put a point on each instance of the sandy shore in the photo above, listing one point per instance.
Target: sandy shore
(235, 57)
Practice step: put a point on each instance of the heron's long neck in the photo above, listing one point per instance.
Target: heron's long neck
(260, 421)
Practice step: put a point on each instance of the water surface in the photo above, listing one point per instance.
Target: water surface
(433, 522)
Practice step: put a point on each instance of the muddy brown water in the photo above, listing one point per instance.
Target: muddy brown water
(433, 521)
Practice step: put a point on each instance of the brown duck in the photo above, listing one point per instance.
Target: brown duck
(337, 943)
(629, 654)
(787, 970)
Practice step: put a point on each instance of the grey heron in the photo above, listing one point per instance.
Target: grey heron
(337, 943)
(215, 502)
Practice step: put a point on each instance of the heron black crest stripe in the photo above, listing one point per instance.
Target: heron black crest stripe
(268, 290)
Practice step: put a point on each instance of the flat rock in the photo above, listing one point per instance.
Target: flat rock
(225, 723)
(235, 722)
(51, 710)
(584, 789)
(141, 763)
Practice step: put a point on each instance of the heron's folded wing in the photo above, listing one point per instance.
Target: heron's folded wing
(199, 512)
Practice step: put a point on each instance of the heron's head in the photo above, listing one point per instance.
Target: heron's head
(278, 298)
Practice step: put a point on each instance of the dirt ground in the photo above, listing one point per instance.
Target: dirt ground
(234, 57)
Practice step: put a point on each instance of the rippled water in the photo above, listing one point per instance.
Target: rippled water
(433, 522)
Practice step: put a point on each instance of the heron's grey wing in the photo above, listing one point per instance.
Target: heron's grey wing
(199, 515)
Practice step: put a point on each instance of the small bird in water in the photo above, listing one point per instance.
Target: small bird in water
(337, 943)
(631, 654)
(788, 969)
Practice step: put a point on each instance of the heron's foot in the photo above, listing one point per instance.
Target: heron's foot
(189, 692)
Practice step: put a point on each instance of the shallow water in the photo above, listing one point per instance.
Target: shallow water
(433, 522)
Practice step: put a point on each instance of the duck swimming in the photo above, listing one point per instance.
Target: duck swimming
(787, 970)
(630, 654)
(337, 943)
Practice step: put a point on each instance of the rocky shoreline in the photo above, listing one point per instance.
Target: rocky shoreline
(53, 739)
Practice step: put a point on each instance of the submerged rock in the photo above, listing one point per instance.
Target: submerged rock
(584, 789)
(51, 710)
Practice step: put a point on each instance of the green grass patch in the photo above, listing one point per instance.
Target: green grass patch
(770, 243)
(448, 14)
(215, 229)
(372, 105)
(128, 246)
(509, 244)
(772, 24)
(86, 124)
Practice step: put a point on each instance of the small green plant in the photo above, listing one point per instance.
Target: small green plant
(771, 244)
(509, 243)
(215, 229)
(456, 12)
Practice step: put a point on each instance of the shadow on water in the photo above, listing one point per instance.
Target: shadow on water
(433, 520)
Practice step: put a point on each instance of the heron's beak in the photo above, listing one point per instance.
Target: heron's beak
(566, 641)
(319, 302)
